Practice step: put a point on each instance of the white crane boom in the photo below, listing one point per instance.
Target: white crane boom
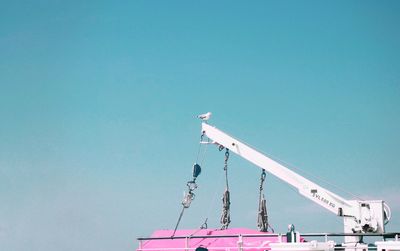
(359, 216)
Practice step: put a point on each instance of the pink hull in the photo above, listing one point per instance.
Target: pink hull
(212, 239)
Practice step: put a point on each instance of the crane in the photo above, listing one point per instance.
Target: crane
(359, 216)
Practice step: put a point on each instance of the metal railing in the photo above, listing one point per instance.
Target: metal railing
(241, 241)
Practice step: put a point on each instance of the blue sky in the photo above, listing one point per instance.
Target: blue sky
(98, 103)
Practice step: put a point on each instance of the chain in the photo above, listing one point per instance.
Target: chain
(226, 167)
(263, 175)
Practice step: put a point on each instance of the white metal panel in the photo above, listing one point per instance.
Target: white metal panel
(305, 187)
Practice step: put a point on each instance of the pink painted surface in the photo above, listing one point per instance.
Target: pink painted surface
(212, 244)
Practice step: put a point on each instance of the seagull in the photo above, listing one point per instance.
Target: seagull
(205, 116)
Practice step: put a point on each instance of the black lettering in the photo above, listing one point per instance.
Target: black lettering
(322, 199)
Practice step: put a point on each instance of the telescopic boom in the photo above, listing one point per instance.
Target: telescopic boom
(360, 216)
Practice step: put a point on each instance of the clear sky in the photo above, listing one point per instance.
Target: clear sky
(98, 102)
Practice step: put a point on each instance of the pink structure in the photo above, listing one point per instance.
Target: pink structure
(235, 239)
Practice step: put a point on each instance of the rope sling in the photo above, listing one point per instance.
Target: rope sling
(262, 217)
(226, 201)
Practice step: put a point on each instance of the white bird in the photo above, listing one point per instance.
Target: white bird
(205, 116)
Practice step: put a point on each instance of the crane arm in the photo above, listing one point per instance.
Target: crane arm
(307, 188)
(359, 216)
